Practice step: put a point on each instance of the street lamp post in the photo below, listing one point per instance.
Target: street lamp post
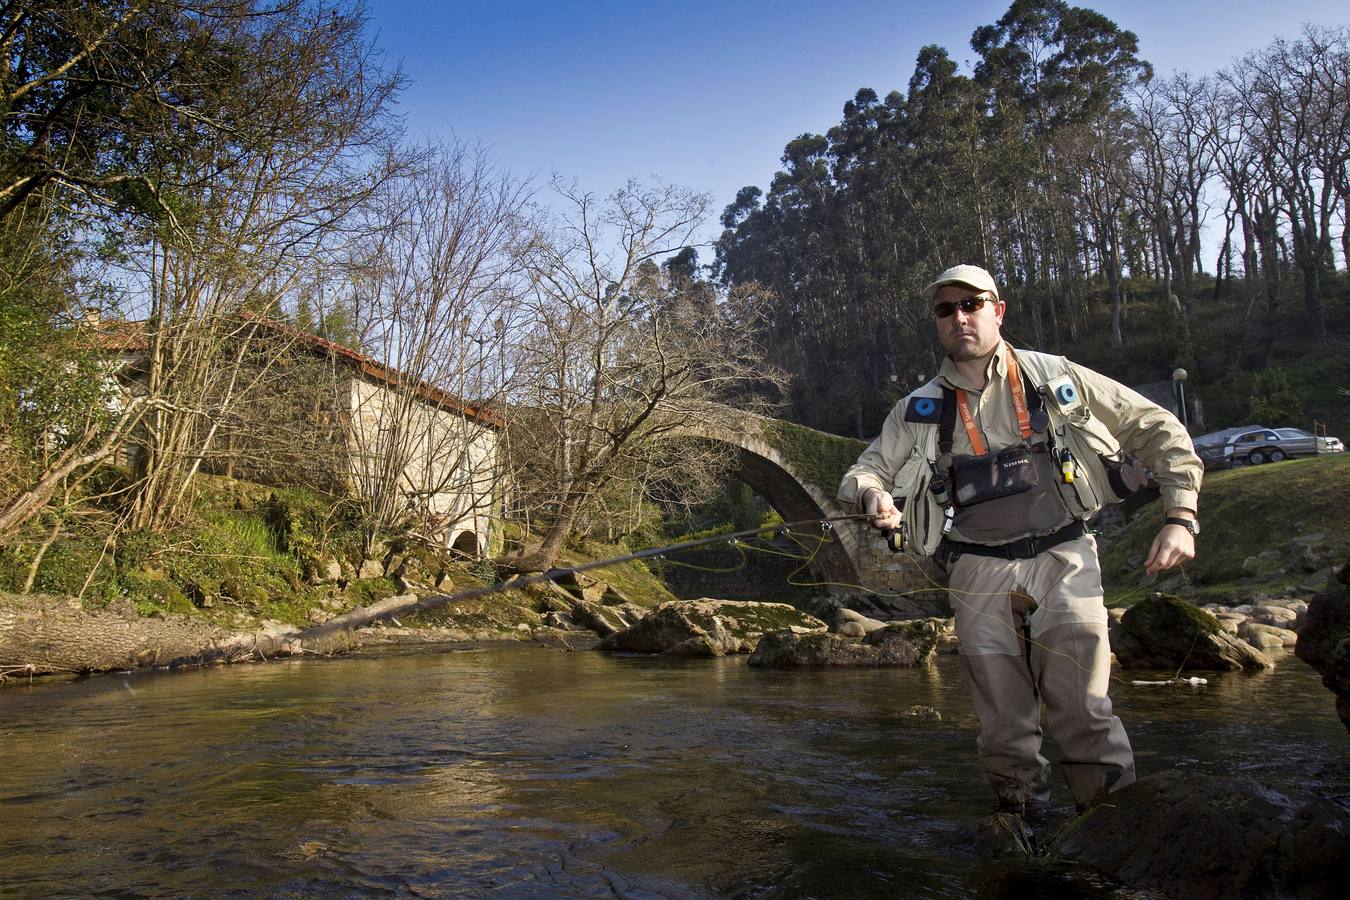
(1179, 387)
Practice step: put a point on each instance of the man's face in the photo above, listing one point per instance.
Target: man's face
(968, 335)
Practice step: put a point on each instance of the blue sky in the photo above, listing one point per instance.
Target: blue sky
(705, 94)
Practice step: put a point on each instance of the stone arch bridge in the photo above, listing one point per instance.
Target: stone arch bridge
(798, 470)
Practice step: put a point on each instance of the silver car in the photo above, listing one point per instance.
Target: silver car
(1255, 444)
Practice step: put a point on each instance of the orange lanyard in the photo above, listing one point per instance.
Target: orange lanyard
(1019, 402)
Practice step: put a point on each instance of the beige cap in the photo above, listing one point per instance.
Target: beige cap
(970, 276)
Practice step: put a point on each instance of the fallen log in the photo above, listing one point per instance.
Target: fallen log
(45, 635)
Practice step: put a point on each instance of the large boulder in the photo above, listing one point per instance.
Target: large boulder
(709, 627)
(1166, 632)
(1324, 642)
(1193, 837)
(897, 644)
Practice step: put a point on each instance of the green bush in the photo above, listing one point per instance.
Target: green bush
(14, 562)
(141, 550)
(309, 525)
(1273, 400)
(151, 595)
(67, 564)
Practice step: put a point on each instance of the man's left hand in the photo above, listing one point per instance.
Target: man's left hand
(1173, 546)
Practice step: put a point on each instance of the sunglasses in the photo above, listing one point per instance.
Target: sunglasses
(968, 305)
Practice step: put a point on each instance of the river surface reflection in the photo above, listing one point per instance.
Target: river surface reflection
(522, 771)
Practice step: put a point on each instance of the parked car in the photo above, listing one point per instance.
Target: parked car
(1298, 442)
(1254, 444)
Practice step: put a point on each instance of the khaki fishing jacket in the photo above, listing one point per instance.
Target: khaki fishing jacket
(1097, 419)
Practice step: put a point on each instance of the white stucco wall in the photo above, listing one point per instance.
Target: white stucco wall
(446, 462)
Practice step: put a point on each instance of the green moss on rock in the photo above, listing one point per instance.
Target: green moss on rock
(1170, 611)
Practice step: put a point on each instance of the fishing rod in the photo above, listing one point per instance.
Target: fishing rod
(826, 524)
(401, 606)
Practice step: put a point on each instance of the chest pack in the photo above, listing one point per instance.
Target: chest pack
(1006, 494)
(1066, 466)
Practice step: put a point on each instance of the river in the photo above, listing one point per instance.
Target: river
(523, 771)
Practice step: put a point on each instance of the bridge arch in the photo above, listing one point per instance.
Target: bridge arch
(856, 556)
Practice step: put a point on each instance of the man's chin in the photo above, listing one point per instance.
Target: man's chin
(965, 352)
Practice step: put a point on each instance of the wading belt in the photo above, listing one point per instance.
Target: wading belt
(1026, 548)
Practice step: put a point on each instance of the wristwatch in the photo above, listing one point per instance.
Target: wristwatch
(1190, 525)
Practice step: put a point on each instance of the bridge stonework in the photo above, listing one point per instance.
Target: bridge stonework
(856, 556)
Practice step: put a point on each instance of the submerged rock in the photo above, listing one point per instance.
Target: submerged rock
(897, 644)
(1194, 837)
(709, 627)
(1166, 632)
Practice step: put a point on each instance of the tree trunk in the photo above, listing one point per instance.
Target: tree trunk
(1312, 300)
(44, 635)
(556, 535)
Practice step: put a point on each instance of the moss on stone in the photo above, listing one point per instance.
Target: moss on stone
(1162, 610)
(761, 618)
(815, 456)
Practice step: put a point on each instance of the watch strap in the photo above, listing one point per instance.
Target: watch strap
(1190, 525)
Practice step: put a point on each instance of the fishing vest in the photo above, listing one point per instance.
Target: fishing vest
(1101, 474)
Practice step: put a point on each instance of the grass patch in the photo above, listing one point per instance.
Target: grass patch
(1243, 512)
(365, 591)
(633, 579)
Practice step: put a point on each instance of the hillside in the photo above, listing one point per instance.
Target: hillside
(1245, 364)
(1295, 512)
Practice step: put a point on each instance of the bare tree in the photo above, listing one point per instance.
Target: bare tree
(1096, 161)
(252, 234)
(435, 292)
(1296, 97)
(62, 408)
(618, 359)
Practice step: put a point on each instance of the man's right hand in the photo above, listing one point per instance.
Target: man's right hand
(880, 506)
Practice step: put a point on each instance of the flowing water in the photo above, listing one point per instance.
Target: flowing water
(523, 771)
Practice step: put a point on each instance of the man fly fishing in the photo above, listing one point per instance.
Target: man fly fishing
(995, 466)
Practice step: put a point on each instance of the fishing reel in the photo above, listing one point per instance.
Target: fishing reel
(896, 537)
